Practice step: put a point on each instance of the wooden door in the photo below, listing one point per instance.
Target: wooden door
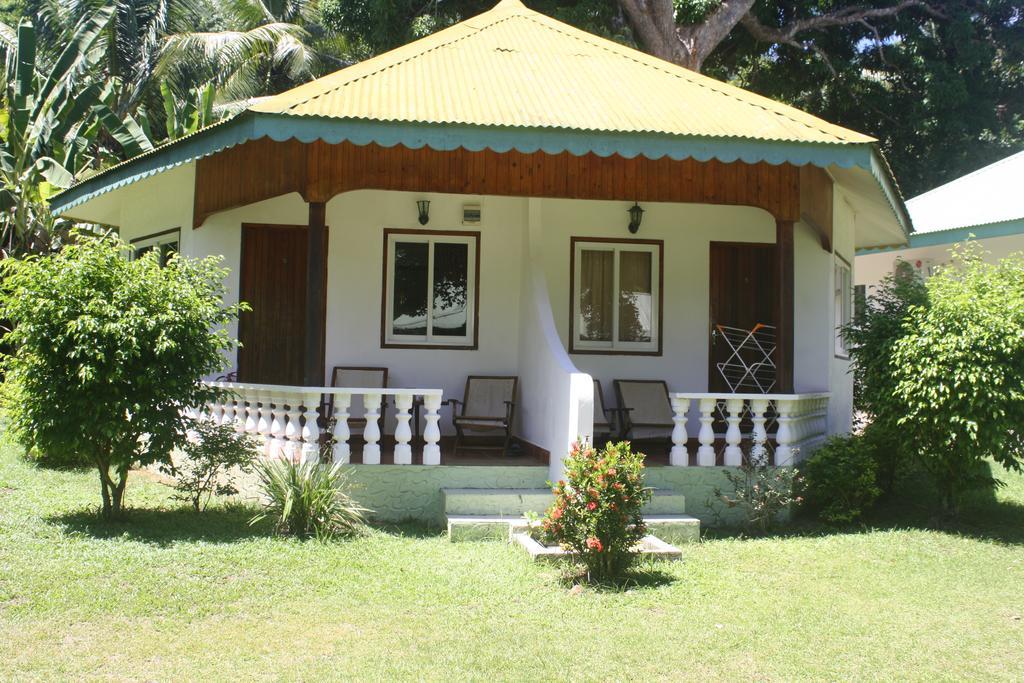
(273, 282)
(742, 295)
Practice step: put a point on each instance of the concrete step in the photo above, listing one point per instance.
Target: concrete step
(517, 502)
(674, 529)
(483, 527)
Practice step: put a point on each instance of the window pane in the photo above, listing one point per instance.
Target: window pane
(409, 302)
(636, 296)
(596, 297)
(451, 289)
(167, 249)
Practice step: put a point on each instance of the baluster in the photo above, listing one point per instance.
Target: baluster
(733, 436)
(293, 430)
(759, 414)
(341, 433)
(252, 412)
(310, 428)
(213, 412)
(679, 457)
(275, 411)
(403, 434)
(706, 436)
(228, 415)
(784, 434)
(431, 432)
(371, 451)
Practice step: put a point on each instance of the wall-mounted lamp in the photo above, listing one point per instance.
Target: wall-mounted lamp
(636, 214)
(423, 206)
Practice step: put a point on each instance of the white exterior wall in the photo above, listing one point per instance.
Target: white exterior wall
(871, 268)
(516, 333)
(844, 231)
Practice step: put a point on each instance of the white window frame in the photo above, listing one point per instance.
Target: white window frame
(155, 241)
(580, 345)
(469, 340)
(842, 303)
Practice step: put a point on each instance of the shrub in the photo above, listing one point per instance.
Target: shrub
(759, 491)
(308, 500)
(840, 480)
(214, 454)
(872, 336)
(107, 352)
(597, 508)
(960, 371)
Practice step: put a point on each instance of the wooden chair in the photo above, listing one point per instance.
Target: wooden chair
(488, 405)
(645, 408)
(357, 378)
(608, 422)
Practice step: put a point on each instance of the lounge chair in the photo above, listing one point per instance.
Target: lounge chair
(357, 378)
(646, 408)
(608, 422)
(488, 405)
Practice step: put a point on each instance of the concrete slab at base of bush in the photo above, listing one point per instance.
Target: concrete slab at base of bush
(483, 527)
(650, 546)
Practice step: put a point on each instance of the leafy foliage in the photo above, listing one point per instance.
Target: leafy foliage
(108, 353)
(308, 499)
(960, 371)
(872, 336)
(214, 455)
(597, 508)
(840, 479)
(50, 116)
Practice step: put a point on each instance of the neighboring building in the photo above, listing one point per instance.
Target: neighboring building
(986, 206)
(532, 141)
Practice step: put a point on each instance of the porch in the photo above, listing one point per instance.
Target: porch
(296, 423)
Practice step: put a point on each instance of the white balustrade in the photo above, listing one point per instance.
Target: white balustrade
(801, 425)
(287, 419)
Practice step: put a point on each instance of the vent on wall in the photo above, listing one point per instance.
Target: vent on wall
(471, 214)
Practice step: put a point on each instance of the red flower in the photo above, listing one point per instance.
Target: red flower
(557, 513)
(612, 472)
(594, 543)
(591, 505)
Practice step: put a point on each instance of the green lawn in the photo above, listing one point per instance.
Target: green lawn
(174, 595)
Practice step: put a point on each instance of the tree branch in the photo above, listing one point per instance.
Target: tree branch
(848, 15)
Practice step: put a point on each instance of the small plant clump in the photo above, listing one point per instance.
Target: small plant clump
(597, 509)
(761, 492)
(308, 500)
(214, 455)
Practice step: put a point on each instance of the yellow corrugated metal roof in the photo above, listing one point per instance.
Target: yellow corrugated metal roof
(514, 67)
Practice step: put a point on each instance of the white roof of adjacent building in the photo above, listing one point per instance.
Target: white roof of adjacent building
(993, 194)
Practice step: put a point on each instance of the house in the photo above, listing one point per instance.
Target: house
(986, 206)
(512, 196)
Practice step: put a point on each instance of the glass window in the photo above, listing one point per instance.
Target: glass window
(614, 295)
(166, 243)
(843, 303)
(431, 282)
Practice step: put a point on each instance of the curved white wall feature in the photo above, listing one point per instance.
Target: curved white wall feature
(556, 400)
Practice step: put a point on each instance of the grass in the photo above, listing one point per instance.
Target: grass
(175, 595)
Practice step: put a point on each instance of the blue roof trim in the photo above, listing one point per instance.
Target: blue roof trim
(954, 235)
(252, 126)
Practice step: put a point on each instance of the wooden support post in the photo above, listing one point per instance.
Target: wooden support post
(784, 306)
(313, 370)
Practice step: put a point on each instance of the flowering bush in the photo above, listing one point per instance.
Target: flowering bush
(597, 507)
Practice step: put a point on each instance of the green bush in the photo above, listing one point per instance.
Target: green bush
(872, 337)
(308, 499)
(108, 352)
(214, 455)
(840, 480)
(960, 372)
(597, 508)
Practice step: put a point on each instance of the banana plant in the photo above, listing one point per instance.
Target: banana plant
(56, 121)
